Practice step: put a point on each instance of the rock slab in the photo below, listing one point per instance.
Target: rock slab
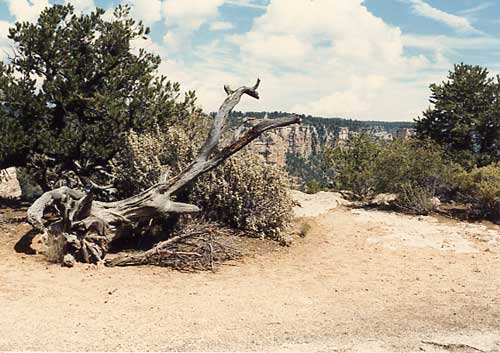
(9, 184)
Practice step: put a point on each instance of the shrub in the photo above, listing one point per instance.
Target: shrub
(145, 156)
(312, 187)
(244, 192)
(416, 171)
(416, 199)
(138, 165)
(308, 171)
(410, 162)
(353, 166)
(481, 188)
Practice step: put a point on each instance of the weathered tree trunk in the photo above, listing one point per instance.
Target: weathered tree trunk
(87, 227)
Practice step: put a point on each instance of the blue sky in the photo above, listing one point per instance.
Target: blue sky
(368, 60)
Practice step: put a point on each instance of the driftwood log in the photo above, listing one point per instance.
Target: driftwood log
(86, 227)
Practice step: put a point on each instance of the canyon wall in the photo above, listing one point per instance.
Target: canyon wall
(301, 140)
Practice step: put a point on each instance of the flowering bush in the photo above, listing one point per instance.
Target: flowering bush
(137, 166)
(244, 192)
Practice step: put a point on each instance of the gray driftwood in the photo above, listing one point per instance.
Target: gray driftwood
(86, 227)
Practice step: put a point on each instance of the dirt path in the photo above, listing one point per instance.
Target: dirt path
(361, 281)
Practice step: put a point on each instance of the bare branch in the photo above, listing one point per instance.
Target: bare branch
(202, 162)
(228, 90)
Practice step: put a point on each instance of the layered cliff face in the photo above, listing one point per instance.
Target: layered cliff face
(306, 140)
(302, 140)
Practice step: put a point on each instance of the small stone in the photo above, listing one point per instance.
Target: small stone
(68, 260)
(435, 202)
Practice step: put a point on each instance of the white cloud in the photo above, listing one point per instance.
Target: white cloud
(29, 10)
(26, 10)
(189, 14)
(476, 9)
(274, 48)
(448, 43)
(149, 45)
(322, 57)
(341, 28)
(109, 14)
(246, 3)
(332, 58)
(184, 17)
(460, 24)
(81, 5)
(221, 26)
(149, 11)
(5, 43)
(377, 98)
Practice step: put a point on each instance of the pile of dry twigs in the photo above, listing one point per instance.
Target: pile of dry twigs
(197, 247)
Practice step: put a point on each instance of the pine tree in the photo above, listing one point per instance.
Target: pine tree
(74, 86)
(465, 117)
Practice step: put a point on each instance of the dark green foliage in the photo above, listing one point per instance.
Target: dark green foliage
(415, 171)
(74, 86)
(481, 188)
(312, 187)
(415, 163)
(330, 124)
(14, 127)
(353, 166)
(308, 171)
(465, 118)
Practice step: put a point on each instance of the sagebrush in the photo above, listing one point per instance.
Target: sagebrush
(244, 192)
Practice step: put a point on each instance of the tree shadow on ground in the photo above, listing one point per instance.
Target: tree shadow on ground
(23, 245)
(14, 204)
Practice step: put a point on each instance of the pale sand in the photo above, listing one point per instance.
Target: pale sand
(336, 290)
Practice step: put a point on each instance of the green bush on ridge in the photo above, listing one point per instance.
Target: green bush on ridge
(418, 172)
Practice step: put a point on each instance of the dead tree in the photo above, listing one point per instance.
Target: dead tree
(86, 227)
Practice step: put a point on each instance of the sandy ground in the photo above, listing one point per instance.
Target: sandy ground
(360, 281)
